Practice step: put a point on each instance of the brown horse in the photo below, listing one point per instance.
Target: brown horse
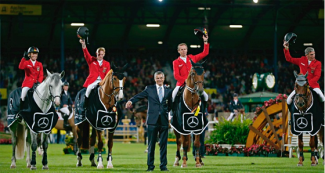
(110, 91)
(60, 126)
(306, 104)
(192, 98)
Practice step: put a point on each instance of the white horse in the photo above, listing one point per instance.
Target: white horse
(45, 94)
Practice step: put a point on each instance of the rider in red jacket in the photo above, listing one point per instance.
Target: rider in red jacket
(98, 68)
(33, 71)
(182, 65)
(309, 64)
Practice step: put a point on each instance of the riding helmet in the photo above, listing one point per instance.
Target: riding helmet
(82, 32)
(33, 49)
(290, 36)
(66, 84)
(200, 31)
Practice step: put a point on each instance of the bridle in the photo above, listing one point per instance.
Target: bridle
(195, 88)
(114, 93)
(305, 96)
(47, 100)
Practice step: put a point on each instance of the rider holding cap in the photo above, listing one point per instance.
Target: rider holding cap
(98, 68)
(182, 65)
(33, 72)
(309, 64)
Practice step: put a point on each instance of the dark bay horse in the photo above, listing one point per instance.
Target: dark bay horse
(103, 113)
(189, 115)
(307, 117)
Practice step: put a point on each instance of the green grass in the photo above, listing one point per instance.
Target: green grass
(131, 158)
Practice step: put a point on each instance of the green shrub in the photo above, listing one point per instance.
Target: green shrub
(227, 132)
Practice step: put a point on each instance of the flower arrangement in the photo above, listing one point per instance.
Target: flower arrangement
(256, 150)
(5, 141)
(269, 103)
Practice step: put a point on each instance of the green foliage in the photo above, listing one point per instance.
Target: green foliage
(171, 135)
(227, 132)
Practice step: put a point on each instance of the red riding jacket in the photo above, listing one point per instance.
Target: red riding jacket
(314, 68)
(94, 69)
(182, 69)
(33, 74)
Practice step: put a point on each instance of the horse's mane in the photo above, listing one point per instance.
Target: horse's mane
(105, 78)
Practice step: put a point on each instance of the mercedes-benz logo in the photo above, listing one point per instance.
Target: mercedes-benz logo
(302, 122)
(43, 122)
(192, 121)
(106, 120)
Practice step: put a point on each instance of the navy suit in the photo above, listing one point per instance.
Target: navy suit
(157, 121)
(66, 99)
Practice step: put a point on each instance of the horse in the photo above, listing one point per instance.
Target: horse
(307, 116)
(60, 125)
(35, 120)
(106, 95)
(190, 108)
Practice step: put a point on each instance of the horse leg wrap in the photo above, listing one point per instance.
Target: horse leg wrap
(33, 162)
(178, 154)
(99, 156)
(109, 155)
(91, 157)
(302, 155)
(44, 160)
(79, 155)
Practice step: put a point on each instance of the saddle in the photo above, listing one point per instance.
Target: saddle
(181, 89)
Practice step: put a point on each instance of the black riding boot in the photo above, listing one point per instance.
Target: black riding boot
(86, 103)
(65, 120)
(21, 105)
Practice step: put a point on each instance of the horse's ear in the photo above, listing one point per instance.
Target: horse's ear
(306, 75)
(48, 73)
(125, 67)
(62, 74)
(295, 73)
(192, 62)
(113, 67)
(203, 62)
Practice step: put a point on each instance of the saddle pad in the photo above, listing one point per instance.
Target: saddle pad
(104, 120)
(192, 123)
(303, 122)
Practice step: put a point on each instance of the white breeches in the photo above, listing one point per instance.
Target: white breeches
(317, 90)
(232, 114)
(64, 110)
(91, 86)
(175, 91)
(24, 93)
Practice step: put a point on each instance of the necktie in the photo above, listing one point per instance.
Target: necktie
(160, 94)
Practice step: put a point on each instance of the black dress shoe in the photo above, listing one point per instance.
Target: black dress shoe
(164, 169)
(149, 170)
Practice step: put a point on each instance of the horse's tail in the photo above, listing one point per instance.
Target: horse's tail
(21, 141)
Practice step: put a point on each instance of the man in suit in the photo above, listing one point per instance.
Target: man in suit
(159, 100)
(235, 105)
(66, 102)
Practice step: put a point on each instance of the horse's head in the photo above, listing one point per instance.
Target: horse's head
(118, 81)
(195, 78)
(302, 91)
(55, 86)
(112, 84)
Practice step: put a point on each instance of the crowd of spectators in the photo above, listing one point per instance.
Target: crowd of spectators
(225, 73)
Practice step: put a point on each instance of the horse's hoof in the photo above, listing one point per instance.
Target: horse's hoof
(28, 165)
(93, 164)
(12, 166)
(183, 166)
(32, 167)
(176, 164)
(45, 167)
(202, 163)
(300, 164)
(109, 166)
(313, 164)
(198, 165)
(79, 164)
(100, 167)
